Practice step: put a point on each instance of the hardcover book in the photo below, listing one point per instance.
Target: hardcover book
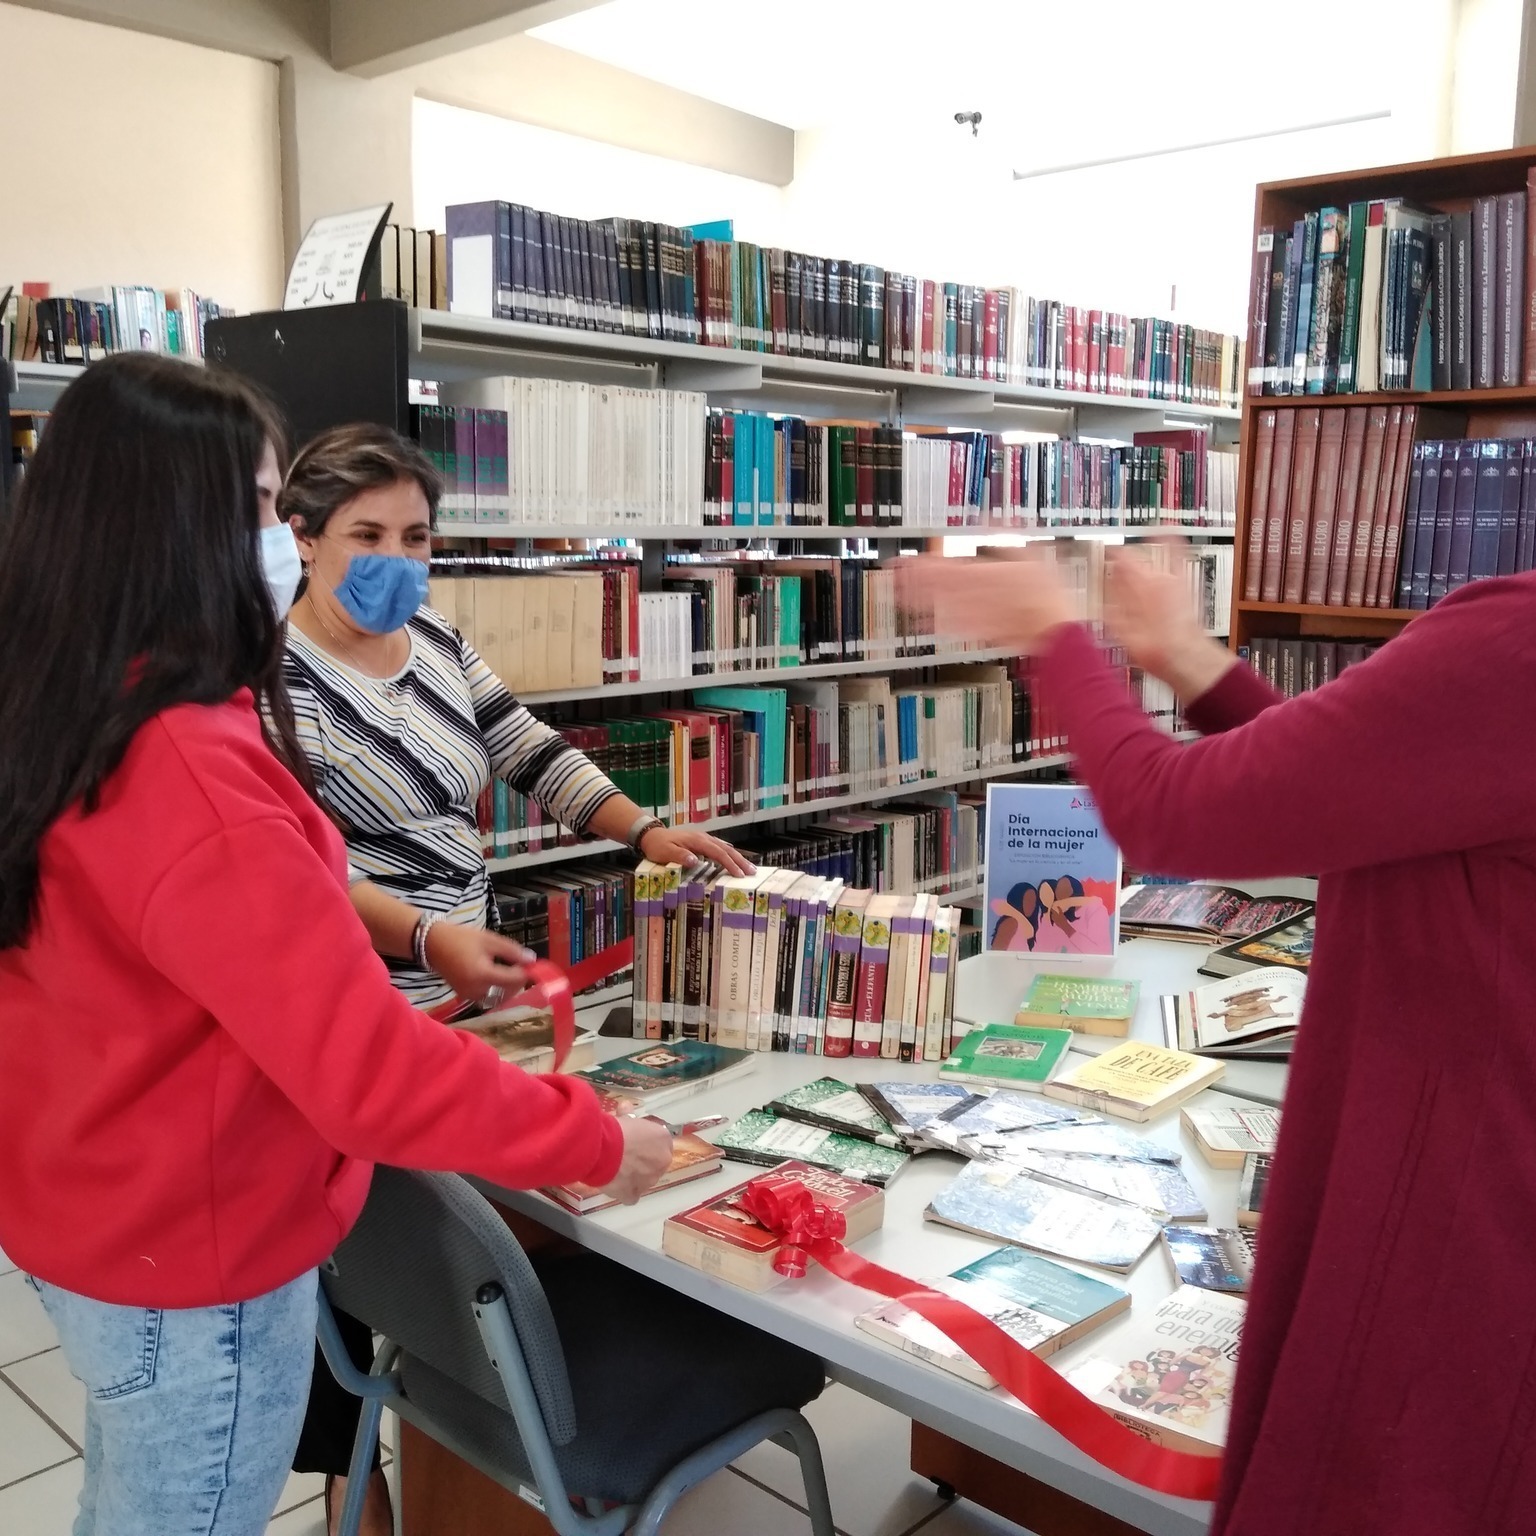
(1211, 1258)
(1052, 873)
(1007, 1055)
(662, 1072)
(1135, 1080)
(1226, 1134)
(1092, 1005)
(1168, 1375)
(721, 1238)
(1286, 944)
(767, 1139)
(995, 1200)
(1199, 914)
(836, 1106)
(1041, 1305)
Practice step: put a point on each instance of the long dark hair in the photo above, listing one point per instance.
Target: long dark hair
(130, 581)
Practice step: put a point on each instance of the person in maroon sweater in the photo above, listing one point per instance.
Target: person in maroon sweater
(201, 1056)
(1387, 1382)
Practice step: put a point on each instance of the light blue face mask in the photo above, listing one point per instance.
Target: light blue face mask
(280, 564)
(380, 592)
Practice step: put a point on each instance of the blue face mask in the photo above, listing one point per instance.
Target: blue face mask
(381, 592)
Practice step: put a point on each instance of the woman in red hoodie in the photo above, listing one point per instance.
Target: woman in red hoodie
(201, 1056)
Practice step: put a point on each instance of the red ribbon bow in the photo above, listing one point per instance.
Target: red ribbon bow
(809, 1229)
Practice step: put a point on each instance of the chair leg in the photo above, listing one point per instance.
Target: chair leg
(807, 1448)
(361, 1468)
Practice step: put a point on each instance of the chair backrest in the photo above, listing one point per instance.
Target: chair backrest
(410, 1269)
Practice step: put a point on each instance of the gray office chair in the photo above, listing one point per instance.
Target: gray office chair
(582, 1378)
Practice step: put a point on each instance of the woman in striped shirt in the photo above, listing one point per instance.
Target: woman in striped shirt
(403, 726)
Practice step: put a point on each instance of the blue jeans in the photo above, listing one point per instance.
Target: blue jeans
(192, 1414)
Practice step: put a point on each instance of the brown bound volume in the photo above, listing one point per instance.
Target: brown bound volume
(1279, 504)
(1529, 372)
(1258, 504)
(1325, 496)
(1356, 420)
(1381, 572)
(1371, 520)
(1342, 579)
(1303, 473)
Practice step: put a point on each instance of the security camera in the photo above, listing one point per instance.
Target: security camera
(973, 118)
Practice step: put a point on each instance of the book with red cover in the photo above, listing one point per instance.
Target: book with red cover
(1279, 508)
(1258, 508)
(1325, 496)
(1299, 524)
(692, 1158)
(1371, 516)
(847, 927)
(1350, 554)
(719, 1237)
(874, 964)
(1350, 469)
(1381, 568)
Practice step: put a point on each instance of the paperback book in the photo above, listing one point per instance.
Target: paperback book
(1212, 1258)
(1007, 1055)
(982, 1117)
(834, 1105)
(1203, 914)
(1227, 1134)
(1168, 1374)
(1135, 1080)
(909, 1108)
(1092, 1005)
(763, 1137)
(1041, 1305)
(1053, 875)
(723, 1239)
(1288, 944)
(692, 1158)
(1158, 1188)
(1088, 1137)
(662, 1072)
(1254, 1015)
(995, 1200)
(1251, 1188)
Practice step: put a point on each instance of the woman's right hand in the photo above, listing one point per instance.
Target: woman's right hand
(647, 1155)
(1148, 611)
(474, 960)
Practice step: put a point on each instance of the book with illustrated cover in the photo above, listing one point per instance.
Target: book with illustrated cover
(661, 1072)
(982, 1117)
(836, 1106)
(1052, 872)
(1135, 1080)
(1254, 1015)
(1251, 1188)
(995, 1200)
(1007, 1055)
(1212, 1258)
(1288, 944)
(1227, 1134)
(1041, 1305)
(1092, 1005)
(692, 1158)
(1159, 1188)
(1168, 1374)
(1086, 1137)
(767, 1139)
(910, 1107)
(720, 1238)
(1202, 914)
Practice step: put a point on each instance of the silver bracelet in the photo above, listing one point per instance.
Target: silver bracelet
(643, 824)
(419, 938)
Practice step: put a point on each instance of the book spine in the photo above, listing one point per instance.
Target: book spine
(1258, 504)
(1435, 585)
(1375, 481)
(1461, 300)
(733, 969)
(1487, 515)
(1258, 314)
(1381, 573)
(874, 964)
(1330, 455)
(1299, 532)
(1509, 520)
(843, 978)
(1279, 509)
(1485, 290)
(1349, 334)
(1463, 511)
(1511, 304)
(1441, 236)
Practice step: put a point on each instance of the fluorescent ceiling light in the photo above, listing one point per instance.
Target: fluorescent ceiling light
(1179, 149)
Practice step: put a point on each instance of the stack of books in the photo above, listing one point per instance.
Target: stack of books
(1297, 666)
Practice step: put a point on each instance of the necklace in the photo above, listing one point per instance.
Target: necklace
(352, 655)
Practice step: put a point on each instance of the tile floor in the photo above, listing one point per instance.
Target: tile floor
(865, 1445)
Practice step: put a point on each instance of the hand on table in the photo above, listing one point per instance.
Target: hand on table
(1148, 611)
(990, 600)
(647, 1155)
(475, 962)
(687, 845)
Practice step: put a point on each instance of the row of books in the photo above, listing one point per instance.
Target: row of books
(1296, 666)
(82, 327)
(1326, 512)
(783, 961)
(413, 266)
(641, 278)
(566, 916)
(1384, 295)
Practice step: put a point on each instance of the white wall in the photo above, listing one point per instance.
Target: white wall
(462, 157)
(134, 159)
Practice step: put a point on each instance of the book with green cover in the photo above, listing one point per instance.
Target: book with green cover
(767, 1139)
(1040, 1304)
(765, 709)
(1009, 1054)
(1092, 1005)
(1349, 334)
(836, 1106)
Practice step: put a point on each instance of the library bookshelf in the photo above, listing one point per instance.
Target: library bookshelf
(1448, 185)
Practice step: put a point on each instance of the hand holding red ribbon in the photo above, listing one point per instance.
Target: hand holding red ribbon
(809, 1229)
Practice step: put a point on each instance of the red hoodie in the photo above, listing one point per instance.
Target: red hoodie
(200, 1055)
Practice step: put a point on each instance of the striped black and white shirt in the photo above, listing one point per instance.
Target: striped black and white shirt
(402, 761)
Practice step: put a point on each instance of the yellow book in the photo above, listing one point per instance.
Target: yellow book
(587, 639)
(1135, 1080)
(487, 623)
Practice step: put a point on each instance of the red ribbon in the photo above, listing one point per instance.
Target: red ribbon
(810, 1230)
(552, 991)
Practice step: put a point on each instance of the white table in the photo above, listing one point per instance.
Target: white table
(817, 1312)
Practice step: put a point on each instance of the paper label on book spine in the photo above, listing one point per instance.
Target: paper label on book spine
(794, 1140)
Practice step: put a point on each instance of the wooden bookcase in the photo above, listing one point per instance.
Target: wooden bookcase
(1448, 186)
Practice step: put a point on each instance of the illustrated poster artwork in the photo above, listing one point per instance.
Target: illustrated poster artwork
(1053, 875)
